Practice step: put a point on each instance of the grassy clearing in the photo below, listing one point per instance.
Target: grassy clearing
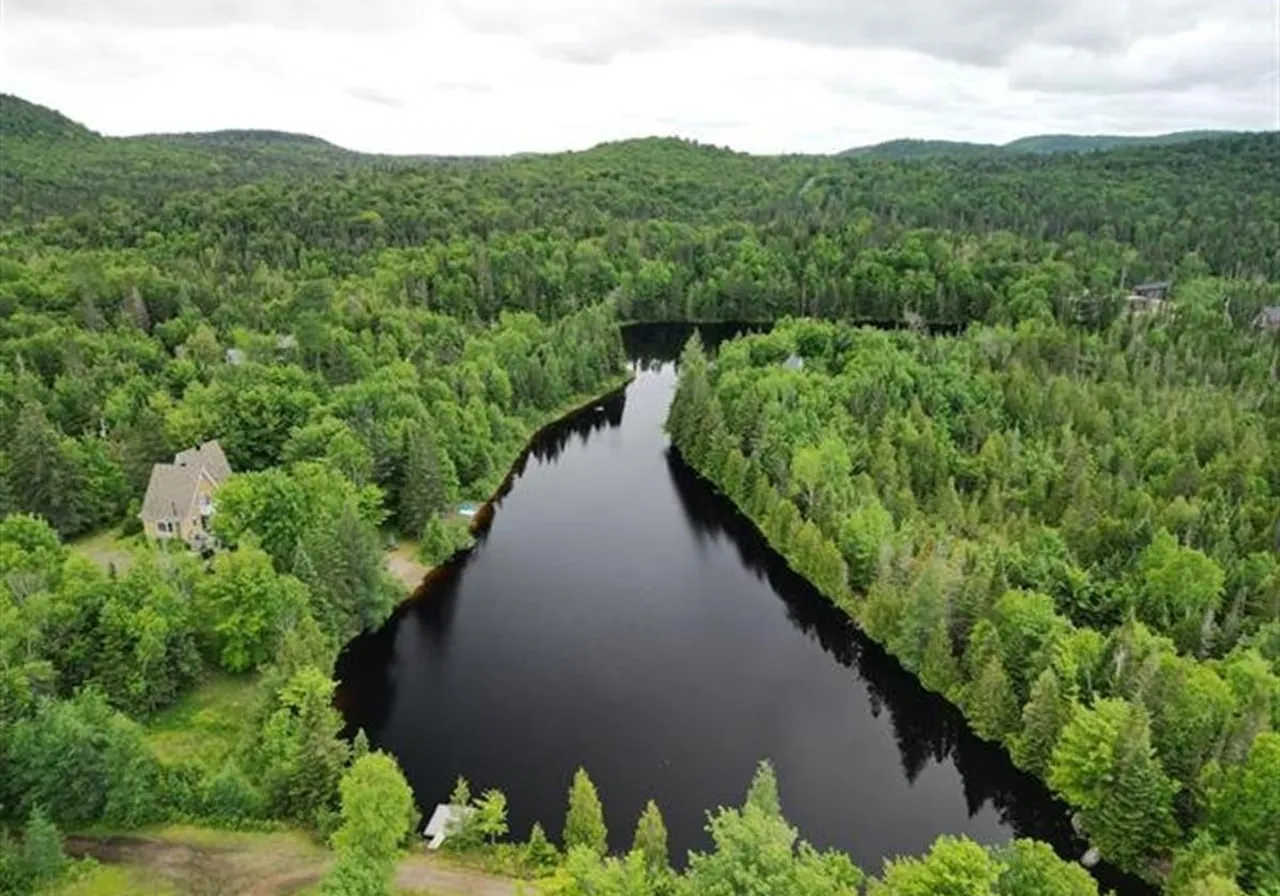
(405, 564)
(206, 722)
(106, 549)
(273, 843)
(92, 879)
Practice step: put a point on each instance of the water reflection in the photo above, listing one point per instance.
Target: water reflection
(620, 615)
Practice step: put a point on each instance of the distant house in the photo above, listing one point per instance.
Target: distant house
(1143, 306)
(1268, 319)
(1158, 289)
(179, 500)
(235, 356)
(795, 362)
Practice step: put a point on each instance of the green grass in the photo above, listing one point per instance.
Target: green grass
(92, 879)
(206, 722)
(106, 549)
(291, 842)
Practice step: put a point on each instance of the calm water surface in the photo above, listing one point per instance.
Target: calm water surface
(621, 616)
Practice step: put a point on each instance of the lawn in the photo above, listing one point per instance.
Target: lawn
(106, 549)
(92, 879)
(205, 724)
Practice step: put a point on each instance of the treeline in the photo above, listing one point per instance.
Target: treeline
(1070, 535)
(420, 405)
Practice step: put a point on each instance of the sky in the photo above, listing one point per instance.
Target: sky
(502, 76)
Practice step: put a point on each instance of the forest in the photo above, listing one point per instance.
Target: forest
(1071, 535)
(1060, 518)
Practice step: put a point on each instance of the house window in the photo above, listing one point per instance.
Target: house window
(164, 527)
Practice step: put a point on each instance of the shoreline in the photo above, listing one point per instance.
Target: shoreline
(484, 515)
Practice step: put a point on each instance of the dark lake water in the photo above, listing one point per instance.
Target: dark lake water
(620, 615)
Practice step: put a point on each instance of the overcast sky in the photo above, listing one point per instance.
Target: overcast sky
(498, 76)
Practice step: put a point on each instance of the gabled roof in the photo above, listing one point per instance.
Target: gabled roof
(172, 488)
(209, 456)
(170, 492)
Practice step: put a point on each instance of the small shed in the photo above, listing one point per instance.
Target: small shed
(1143, 306)
(444, 821)
(794, 362)
(1156, 289)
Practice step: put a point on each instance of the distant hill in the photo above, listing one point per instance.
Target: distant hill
(241, 139)
(1041, 144)
(23, 120)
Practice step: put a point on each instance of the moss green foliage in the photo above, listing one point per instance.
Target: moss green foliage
(377, 816)
(1034, 521)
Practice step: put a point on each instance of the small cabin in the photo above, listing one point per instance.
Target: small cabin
(1145, 306)
(794, 362)
(1157, 289)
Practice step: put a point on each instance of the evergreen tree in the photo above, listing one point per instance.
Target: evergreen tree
(542, 853)
(763, 792)
(428, 482)
(990, 704)
(651, 838)
(584, 821)
(1043, 718)
(1135, 819)
(42, 857)
(42, 478)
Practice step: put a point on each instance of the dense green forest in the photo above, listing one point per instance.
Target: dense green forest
(372, 339)
(1040, 143)
(1071, 535)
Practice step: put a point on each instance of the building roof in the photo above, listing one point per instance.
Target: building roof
(794, 362)
(170, 492)
(208, 455)
(172, 487)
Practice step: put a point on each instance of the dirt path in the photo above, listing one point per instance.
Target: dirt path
(268, 867)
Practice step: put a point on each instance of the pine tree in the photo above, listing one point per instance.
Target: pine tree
(763, 792)
(359, 746)
(1135, 820)
(541, 852)
(42, 855)
(428, 482)
(990, 704)
(651, 838)
(41, 477)
(584, 821)
(1043, 718)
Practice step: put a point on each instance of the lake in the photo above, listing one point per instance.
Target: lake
(619, 615)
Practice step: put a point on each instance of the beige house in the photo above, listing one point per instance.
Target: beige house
(179, 499)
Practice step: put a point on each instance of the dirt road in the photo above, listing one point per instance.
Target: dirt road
(267, 865)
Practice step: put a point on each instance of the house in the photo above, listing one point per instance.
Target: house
(794, 362)
(235, 356)
(1143, 306)
(1158, 289)
(1268, 319)
(179, 500)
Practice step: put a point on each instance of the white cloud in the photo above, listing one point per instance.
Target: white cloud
(497, 76)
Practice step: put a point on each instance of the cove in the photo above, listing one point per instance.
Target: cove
(620, 615)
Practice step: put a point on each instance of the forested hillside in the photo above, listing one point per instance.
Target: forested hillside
(1040, 143)
(373, 339)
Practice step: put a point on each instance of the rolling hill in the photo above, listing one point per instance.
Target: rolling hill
(1041, 144)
